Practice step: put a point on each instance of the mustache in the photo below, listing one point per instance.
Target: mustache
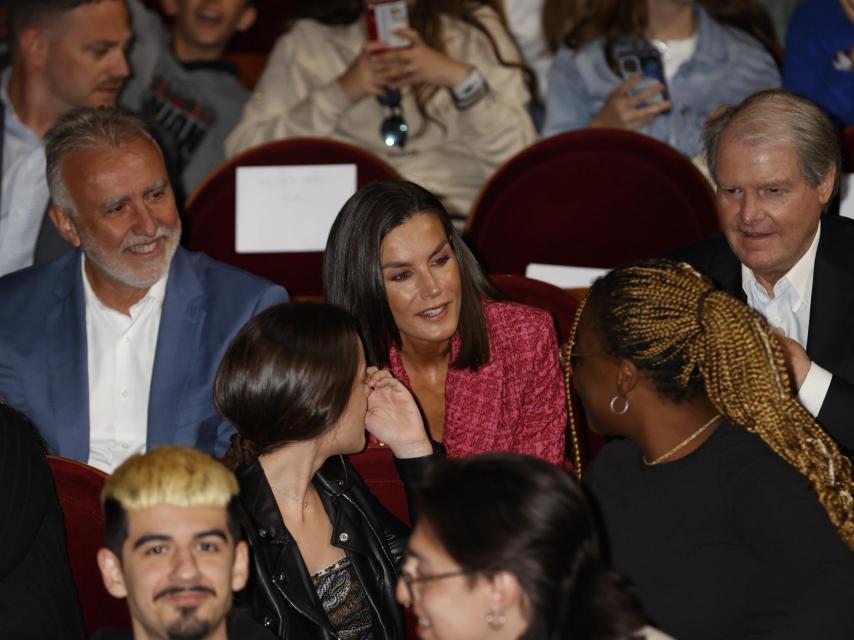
(169, 591)
(132, 239)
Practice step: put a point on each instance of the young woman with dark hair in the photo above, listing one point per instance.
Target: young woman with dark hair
(485, 373)
(296, 387)
(706, 64)
(445, 111)
(723, 501)
(506, 548)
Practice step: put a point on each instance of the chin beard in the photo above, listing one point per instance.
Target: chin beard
(188, 627)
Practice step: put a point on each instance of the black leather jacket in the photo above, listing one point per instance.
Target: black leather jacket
(280, 593)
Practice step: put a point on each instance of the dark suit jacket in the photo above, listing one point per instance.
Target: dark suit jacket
(38, 599)
(43, 358)
(831, 332)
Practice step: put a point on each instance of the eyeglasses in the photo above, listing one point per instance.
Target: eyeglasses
(410, 580)
(394, 128)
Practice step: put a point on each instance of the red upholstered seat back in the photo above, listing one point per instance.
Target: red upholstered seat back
(376, 466)
(79, 489)
(210, 210)
(593, 198)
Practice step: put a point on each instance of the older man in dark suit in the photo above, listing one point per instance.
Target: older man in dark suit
(775, 162)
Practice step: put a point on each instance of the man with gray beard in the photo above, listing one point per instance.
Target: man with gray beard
(112, 348)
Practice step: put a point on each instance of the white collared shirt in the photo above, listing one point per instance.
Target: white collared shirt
(24, 194)
(789, 311)
(120, 354)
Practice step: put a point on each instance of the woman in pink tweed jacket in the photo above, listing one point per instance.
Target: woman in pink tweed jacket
(485, 372)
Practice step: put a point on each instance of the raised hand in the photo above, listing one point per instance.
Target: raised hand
(623, 110)
(393, 416)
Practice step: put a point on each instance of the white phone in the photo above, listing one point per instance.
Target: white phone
(384, 18)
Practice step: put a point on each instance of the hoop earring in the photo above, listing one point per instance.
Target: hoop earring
(614, 404)
(495, 619)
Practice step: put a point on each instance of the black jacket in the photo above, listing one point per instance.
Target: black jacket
(281, 594)
(831, 328)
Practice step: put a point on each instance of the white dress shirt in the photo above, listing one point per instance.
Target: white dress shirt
(789, 310)
(120, 354)
(24, 196)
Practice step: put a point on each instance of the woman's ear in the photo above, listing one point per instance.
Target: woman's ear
(627, 376)
(505, 591)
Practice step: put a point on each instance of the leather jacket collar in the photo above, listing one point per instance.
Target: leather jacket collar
(281, 592)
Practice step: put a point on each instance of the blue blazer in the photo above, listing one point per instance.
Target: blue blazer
(43, 359)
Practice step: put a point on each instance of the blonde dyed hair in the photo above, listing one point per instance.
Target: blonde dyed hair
(686, 337)
(173, 476)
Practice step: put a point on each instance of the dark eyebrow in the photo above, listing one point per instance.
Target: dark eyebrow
(152, 537)
(397, 265)
(217, 533)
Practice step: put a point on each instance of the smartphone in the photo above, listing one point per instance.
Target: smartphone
(644, 62)
(384, 18)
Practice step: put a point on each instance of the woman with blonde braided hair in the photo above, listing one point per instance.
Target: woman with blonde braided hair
(725, 503)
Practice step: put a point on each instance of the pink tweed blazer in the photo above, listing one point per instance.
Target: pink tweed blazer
(516, 401)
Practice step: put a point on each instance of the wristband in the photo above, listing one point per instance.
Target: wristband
(470, 91)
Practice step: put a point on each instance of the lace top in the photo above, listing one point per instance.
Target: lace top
(344, 601)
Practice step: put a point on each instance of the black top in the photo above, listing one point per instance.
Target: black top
(37, 594)
(728, 542)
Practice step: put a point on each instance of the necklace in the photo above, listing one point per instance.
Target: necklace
(682, 444)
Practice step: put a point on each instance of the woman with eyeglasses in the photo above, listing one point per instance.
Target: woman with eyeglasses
(446, 109)
(506, 548)
(485, 372)
(325, 553)
(724, 502)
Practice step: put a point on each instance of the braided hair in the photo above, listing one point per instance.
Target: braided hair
(686, 337)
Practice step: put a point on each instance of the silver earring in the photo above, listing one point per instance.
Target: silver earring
(614, 405)
(495, 619)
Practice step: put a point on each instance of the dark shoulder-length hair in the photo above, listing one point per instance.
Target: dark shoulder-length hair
(508, 512)
(287, 377)
(353, 279)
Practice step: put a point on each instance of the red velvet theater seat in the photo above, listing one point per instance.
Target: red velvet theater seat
(79, 489)
(591, 198)
(210, 210)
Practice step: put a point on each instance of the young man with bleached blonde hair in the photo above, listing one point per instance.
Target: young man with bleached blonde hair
(173, 548)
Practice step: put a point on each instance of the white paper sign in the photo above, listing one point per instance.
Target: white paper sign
(564, 277)
(292, 208)
(846, 205)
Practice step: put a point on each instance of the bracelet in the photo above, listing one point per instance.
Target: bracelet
(470, 91)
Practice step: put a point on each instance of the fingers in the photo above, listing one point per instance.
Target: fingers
(640, 116)
(645, 94)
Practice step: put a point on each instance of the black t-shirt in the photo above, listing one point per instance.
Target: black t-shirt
(726, 543)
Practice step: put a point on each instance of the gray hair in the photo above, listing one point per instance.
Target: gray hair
(86, 128)
(777, 117)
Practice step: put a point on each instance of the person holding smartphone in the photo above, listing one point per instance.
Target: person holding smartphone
(608, 75)
(445, 109)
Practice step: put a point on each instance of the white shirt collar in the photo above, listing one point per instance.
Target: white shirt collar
(156, 292)
(799, 276)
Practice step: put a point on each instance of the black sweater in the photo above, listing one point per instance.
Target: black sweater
(728, 542)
